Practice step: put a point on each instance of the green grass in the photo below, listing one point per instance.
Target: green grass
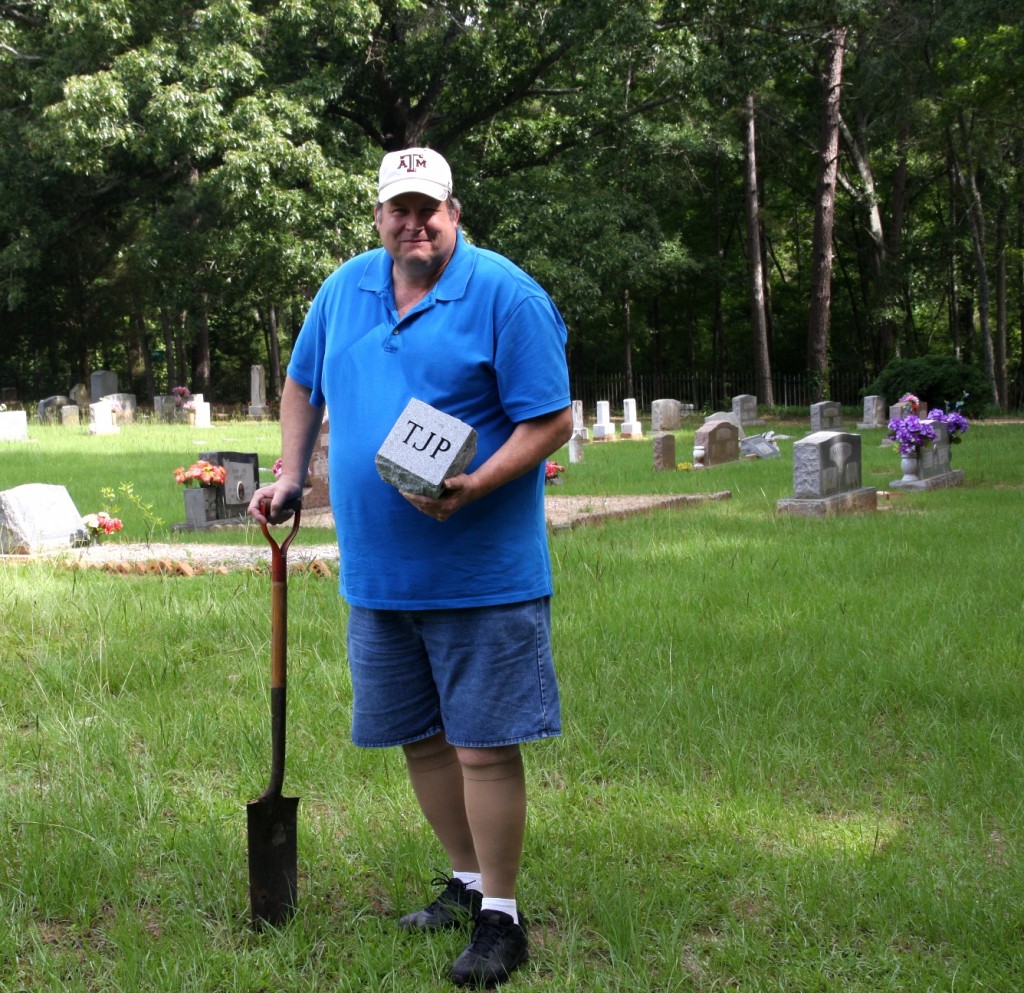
(792, 756)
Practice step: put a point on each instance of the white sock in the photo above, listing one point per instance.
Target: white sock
(505, 906)
(471, 879)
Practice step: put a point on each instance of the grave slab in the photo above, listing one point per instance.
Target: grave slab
(13, 425)
(39, 517)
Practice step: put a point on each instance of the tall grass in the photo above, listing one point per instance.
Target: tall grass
(792, 758)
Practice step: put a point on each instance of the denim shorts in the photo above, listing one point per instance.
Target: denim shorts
(482, 676)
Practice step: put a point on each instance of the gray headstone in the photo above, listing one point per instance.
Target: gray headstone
(257, 392)
(48, 410)
(13, 425)
(664, 451)
(123, 405)
(70, 415)
(720, 441)
(424, 448)
(826, 463)
(243, 473)
(760, 447)
(826, 416)
(726, 415)
(744, 407)
(935, 456)
(80, 395)
(165, 407)
(666, 415)
(102, 383)
(874, 413)
(38, 517)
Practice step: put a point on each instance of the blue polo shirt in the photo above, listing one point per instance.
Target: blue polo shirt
(486, 345)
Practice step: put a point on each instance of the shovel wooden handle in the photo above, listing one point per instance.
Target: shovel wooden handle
(278, 649)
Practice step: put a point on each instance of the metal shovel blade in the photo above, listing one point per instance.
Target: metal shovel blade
(273, 858)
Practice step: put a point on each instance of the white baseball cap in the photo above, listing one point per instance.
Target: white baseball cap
(414, 170)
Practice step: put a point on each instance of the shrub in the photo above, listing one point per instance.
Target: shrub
(940, 381)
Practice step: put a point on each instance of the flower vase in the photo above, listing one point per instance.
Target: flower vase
(910, 465)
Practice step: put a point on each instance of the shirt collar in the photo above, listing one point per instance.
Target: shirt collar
(451, 285)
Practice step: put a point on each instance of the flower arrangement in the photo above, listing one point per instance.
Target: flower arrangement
(910, 433)
(955, 423)
(181, 394)
(201, 473)
(100, 524)
(909, 404)
(552, 472)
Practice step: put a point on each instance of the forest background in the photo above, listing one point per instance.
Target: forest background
(733, 189)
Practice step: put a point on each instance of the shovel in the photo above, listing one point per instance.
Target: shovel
(273, 854)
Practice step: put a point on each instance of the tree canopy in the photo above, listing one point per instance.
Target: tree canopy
(177, 178)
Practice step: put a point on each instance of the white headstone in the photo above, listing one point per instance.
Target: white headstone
(579, 428)
(424, 448)
(38, 517)
(202, 412)
(13, 425)
(631, 427)
(257, 391)
(101, 418)
(604, 430)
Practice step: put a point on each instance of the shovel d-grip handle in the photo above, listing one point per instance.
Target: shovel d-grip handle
(278, 648)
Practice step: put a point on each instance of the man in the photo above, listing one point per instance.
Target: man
(448, 634)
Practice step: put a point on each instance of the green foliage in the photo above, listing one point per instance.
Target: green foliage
(939, 381)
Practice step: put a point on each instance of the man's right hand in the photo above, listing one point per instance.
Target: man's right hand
(283, 499)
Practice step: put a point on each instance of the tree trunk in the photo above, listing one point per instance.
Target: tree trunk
(999, 344)
(203, 349)
(968, 184)
(755, 265)
(274, 351)
(170, 354)
(824, 216)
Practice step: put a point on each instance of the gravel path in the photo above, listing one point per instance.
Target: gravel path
(185, 558)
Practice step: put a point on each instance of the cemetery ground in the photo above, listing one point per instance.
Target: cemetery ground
(792, 756)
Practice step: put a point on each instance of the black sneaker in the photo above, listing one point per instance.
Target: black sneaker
(455, 905)
(499, 946)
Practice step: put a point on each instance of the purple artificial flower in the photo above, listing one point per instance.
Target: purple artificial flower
(910, 433)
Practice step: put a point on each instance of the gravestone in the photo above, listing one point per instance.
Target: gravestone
(241, 482)
(13, 425)
(39, 517)
(874, 413)
(604, 429)
(666, 415)
(744, 407)
(102, 383)
(935, 469)
(579, 427)
(664, 451)
(317, 494)
(631, 427)
(48, 410)
(101, 418)
(760, 446)
(826, 416)
(257, 392)
(165, 407)
(424, 448)
(80, 395)
(576, 443)
(727, 415)
(123, 405)
(70, 415)
(715, 443)
(687, 409)
(200, 411)
(827, 476)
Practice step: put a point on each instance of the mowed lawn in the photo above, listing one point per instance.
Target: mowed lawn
(792, 756)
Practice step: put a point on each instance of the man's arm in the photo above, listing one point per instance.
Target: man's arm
(300, 425)
(530, 442)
